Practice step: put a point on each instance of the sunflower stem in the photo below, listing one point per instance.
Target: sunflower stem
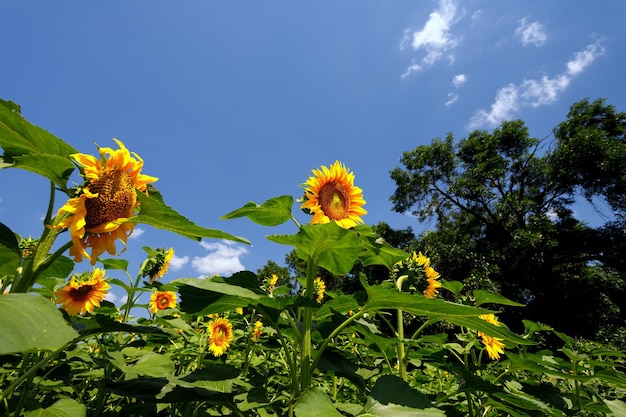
(26, 277)
(305, 381)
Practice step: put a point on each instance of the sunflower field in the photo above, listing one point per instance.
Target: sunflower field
(413, 344)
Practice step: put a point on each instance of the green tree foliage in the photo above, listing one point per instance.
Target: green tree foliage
(503, 219)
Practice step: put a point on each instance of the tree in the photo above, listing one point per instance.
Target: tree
(502, 210)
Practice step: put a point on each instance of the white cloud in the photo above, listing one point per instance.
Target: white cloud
(535, 92)
(137, 232)
(452, 98)
(459, 80)
(434, 38)
(531, 33)
(223, 259)
(176, 263)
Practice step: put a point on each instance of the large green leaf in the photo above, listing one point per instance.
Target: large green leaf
(9, 251)
(65, 407)
(272, 212)
(487, 297)
(337, 249)
(314, 403)
(376, 250)
(393, 397)
(30, 322)
(32, 148)
(155, 212)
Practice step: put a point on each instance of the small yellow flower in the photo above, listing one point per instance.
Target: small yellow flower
(239, 310)
(83, 292)
(272, 282)
(330, 195)
(220, 336)
(97, 216)
(320, 288)
(256, 332)
(160, 300)
(493, 345)
(160, 264)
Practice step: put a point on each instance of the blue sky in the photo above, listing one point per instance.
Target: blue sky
(229, 102)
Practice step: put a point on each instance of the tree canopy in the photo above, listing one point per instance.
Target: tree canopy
(502, 204)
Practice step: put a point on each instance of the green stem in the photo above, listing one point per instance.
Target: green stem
(331, 336)
(400, 346)
(305, 380)
(26, 278)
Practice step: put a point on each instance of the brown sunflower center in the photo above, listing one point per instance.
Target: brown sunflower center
(334, 201)
(116, 198)
(163, 303)
(82, 293)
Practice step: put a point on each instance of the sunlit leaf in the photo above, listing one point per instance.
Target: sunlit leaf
(156, 213)
(65, 407)
(337, 248)
(40, 324)
(32, 148)
(114, 264)
(487, 297)
(376, 251)
(272, 212)
(392, 397)
(314, 403)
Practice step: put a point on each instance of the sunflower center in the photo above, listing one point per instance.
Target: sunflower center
(116, 198)
(164, 302)
(334, 201)
(82, 293)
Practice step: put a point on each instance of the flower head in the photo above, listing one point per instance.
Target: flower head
(83, 292)
(158, 264)
(320, 288)
(493, 345)
(96, 216)
(220, 336)
(160, 300)
(411, 273)
(271, 283)
(256, 332)
(330, 194)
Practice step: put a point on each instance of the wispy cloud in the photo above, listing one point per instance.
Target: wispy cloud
(177, 262)
(137, 232)
(223, 259)
(535, 92)
(452, 98)
(459, 80)
(531, 33)
(435, 38)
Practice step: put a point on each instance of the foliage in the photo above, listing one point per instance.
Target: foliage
(253, 345)
(504, 221)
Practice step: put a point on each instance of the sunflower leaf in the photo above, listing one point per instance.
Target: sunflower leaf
(272, 212)
(41, 325)
(337, 248)
(155, 212)
(486, 297)
(32, 148)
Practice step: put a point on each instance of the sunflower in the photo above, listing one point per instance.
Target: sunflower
(493, 345)
(159, 264)
(320, 288)
(256, 332)
(160, 300)
(330, 194)
(272, 282)
(411, 272)
(83, 292)
(220, 336)
(96, 216)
